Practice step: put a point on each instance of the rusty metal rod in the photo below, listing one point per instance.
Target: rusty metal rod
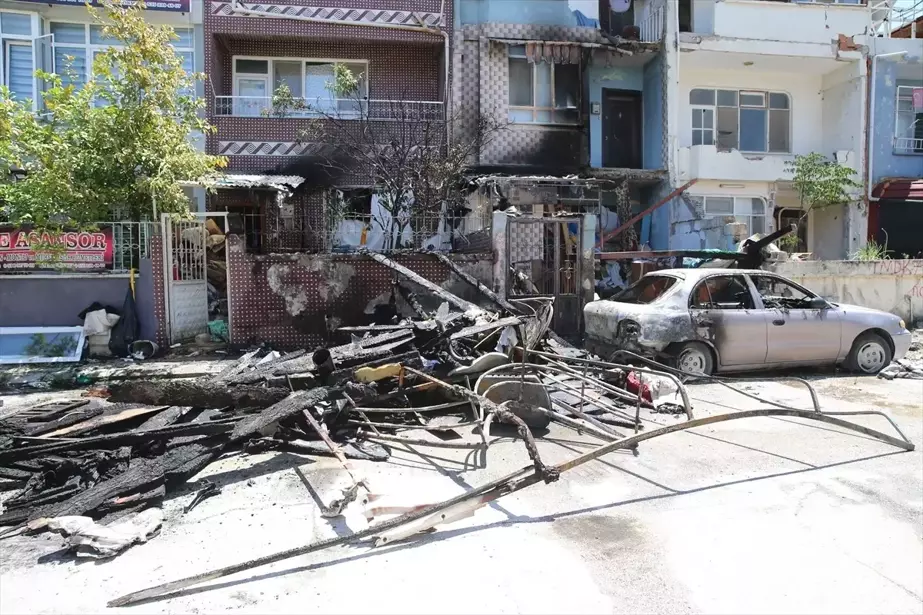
(437, 407)
(368, 435)
(368, 423)
(494, 490)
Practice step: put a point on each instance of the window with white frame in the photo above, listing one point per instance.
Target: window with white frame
(76, 45)
(908, 127)
(255, 80)
(747, 210)
(16, 66)
(542, 93)
(745, 120)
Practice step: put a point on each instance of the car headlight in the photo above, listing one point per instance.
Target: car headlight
(902, 324)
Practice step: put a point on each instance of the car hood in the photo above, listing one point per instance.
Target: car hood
(866, 312)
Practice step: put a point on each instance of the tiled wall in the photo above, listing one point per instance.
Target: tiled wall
(481, 88)
(293, 300)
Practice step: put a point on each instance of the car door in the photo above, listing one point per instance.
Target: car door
(723, 308)
(796, 332)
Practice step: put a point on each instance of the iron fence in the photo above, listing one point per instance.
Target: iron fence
(303, 230)
(348, 108)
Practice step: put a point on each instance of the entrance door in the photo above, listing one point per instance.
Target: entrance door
(185, 276)
(544, 260)
(621, 129)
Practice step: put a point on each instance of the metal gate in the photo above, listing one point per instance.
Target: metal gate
(544, 260)
(185, 279)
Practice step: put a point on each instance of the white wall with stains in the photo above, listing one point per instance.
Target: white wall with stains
(894, 286)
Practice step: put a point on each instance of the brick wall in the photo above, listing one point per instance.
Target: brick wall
(293, 300)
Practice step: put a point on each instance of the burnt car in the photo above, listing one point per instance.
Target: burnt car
(723, 320)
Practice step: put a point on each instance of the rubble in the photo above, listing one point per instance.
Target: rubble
(458, 370)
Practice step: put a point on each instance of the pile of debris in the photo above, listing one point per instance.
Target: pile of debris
(451, 374)
(448, 373)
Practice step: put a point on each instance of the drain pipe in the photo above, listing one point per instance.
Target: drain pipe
(869, 153)
(237, 7)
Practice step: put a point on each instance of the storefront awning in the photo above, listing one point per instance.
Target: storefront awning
(899, 190)
(282, 183)
(554, 52)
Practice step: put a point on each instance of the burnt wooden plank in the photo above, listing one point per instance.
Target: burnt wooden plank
(71, 418)
(202, 395)
(102, 421)
(293, 404)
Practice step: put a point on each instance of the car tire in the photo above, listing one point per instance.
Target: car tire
(695, 358)
(870, 353)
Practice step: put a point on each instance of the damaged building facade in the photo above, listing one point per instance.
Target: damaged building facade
(759, 83)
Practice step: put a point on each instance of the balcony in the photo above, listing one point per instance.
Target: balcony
(707, 162)
(802, 21)
(368, 109)
(908, 127)
(643, 21)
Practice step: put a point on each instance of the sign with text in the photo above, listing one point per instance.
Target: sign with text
(70, 250)
(180, 6)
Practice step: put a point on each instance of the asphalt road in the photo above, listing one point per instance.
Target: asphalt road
(765, 515)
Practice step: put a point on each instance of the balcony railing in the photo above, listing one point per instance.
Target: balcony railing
(649, 23)
(908, 124)
(262, 106)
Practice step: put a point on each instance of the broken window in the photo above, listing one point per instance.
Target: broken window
(778, 293)
(722, 292)
(648, 289)
(746, 210)
(542, 93)
(750, 121)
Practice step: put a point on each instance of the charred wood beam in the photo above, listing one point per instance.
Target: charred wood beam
(291, 405)
(199, 394)
(73, 418)
(411, 298)
(472, 281)
(115, 440)
(465, 306)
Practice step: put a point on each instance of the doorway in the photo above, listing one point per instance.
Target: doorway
(621, 127)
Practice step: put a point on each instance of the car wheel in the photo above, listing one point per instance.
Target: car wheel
(695, 358)
(870, 354)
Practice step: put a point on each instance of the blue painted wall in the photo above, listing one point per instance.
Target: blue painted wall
(598, 78)
(885, 163)
(653, 102)
(535, 12)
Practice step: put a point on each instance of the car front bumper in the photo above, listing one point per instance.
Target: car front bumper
(901, 343)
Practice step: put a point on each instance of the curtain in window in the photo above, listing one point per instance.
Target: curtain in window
(553, 53)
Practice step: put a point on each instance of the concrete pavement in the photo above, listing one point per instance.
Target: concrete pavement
(754, 516)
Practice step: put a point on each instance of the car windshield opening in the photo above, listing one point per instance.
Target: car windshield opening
(646, 290)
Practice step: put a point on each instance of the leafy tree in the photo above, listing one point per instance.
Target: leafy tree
(113, 148)
(819, 183)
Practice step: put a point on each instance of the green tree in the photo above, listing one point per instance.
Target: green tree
(113, 148)
(819, 183)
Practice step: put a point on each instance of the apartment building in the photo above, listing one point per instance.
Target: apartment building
(580, 85)
(397, 50)
(759, 82)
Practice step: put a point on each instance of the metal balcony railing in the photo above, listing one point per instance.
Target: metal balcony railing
(908, 121)
(372, 109)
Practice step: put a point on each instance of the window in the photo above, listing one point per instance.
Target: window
(779, 293)
(542, 93)
(255, 80)
(908, 128)
(747, 210)
(747, 120)
(722, 292)
(76, 45)
(16, 66)
(648, 289)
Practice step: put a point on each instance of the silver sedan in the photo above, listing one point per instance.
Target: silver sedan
(724, 320)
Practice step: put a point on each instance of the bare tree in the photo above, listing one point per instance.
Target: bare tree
(410, 153)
